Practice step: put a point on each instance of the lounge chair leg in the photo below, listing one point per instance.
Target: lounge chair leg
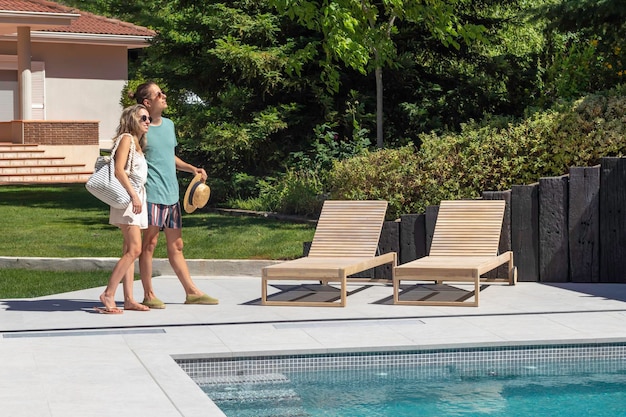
(263, 291)
(476, 288)
(344, 290)
(396, 290)
(512, 271)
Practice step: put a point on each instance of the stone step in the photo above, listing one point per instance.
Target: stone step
(42, 169)
(48, 178)
(21, 153)
(28, 164)
(4, 146)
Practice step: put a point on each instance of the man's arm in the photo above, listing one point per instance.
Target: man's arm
(184, 166)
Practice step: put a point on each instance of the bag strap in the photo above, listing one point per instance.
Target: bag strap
(131, 153)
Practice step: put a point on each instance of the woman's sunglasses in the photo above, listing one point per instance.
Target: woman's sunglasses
(145, 118)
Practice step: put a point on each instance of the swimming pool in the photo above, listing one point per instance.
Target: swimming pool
(566, 379)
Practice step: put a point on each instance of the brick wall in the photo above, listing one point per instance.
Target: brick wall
(45, 132)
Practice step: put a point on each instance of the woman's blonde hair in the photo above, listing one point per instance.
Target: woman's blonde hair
(130, 123)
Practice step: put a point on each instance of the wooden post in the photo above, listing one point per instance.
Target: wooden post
(584, 224)
(525, 231)
(429, 222)
(505, 234)
(553, 229)
(389, 242)
(412, 237)
(613, 220)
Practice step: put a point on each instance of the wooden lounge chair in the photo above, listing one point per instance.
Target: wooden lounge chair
(464, 247)
(345, 243)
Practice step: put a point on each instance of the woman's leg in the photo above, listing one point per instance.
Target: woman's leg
(132, 249)
(128, 283)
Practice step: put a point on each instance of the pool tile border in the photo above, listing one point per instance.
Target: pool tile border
(519, 360)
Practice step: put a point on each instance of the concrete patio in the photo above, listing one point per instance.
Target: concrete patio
(59, 358)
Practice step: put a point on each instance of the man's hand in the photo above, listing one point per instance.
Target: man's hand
(201, 171)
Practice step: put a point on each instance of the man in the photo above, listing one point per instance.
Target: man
(164, 210)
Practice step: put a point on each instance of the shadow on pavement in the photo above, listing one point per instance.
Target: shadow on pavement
(612, 291)
(61, 304)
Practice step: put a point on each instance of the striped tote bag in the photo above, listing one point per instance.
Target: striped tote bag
(103, 183)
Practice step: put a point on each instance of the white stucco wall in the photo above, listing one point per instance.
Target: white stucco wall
(83, 82)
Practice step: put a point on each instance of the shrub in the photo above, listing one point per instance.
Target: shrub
(491, 155)
(390, 174)
(295, 192)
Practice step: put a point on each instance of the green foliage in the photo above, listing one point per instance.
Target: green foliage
(328, 148)
(246, 84)
(238, 81)
(297, 193)
(438, 88)
(244, 186)
(586, 47)
(388, 174)
(359, 34)
(247, 88)
(225, 144)
(491, 155)
(572, 70)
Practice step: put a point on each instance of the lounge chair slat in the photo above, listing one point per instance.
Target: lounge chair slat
(345, 243)
(464, 246)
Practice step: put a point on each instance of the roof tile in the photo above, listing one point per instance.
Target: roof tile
(86, 23)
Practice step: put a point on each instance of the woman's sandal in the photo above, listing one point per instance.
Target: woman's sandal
(106, 310)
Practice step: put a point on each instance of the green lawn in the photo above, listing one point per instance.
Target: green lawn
(22, 283)
(66, 221)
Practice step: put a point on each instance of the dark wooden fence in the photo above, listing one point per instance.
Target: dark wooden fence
(570, 228)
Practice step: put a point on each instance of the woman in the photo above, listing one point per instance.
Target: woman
(131, 170)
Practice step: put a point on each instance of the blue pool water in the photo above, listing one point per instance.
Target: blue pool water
(514, 381)
(390, 393)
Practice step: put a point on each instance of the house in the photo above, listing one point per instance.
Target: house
(62, 71)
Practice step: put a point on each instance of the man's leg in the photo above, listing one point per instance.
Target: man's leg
(177, 260)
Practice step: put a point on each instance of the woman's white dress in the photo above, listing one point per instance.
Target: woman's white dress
(137, 175)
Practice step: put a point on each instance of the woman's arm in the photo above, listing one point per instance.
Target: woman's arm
(121, 158)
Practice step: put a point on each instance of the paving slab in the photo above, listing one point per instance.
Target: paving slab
(60, 358)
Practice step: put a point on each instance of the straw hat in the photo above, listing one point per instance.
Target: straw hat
(197, 194)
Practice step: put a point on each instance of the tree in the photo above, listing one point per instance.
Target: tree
(587, 46)
(439, 88)
(223, 66)
(359, 33)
